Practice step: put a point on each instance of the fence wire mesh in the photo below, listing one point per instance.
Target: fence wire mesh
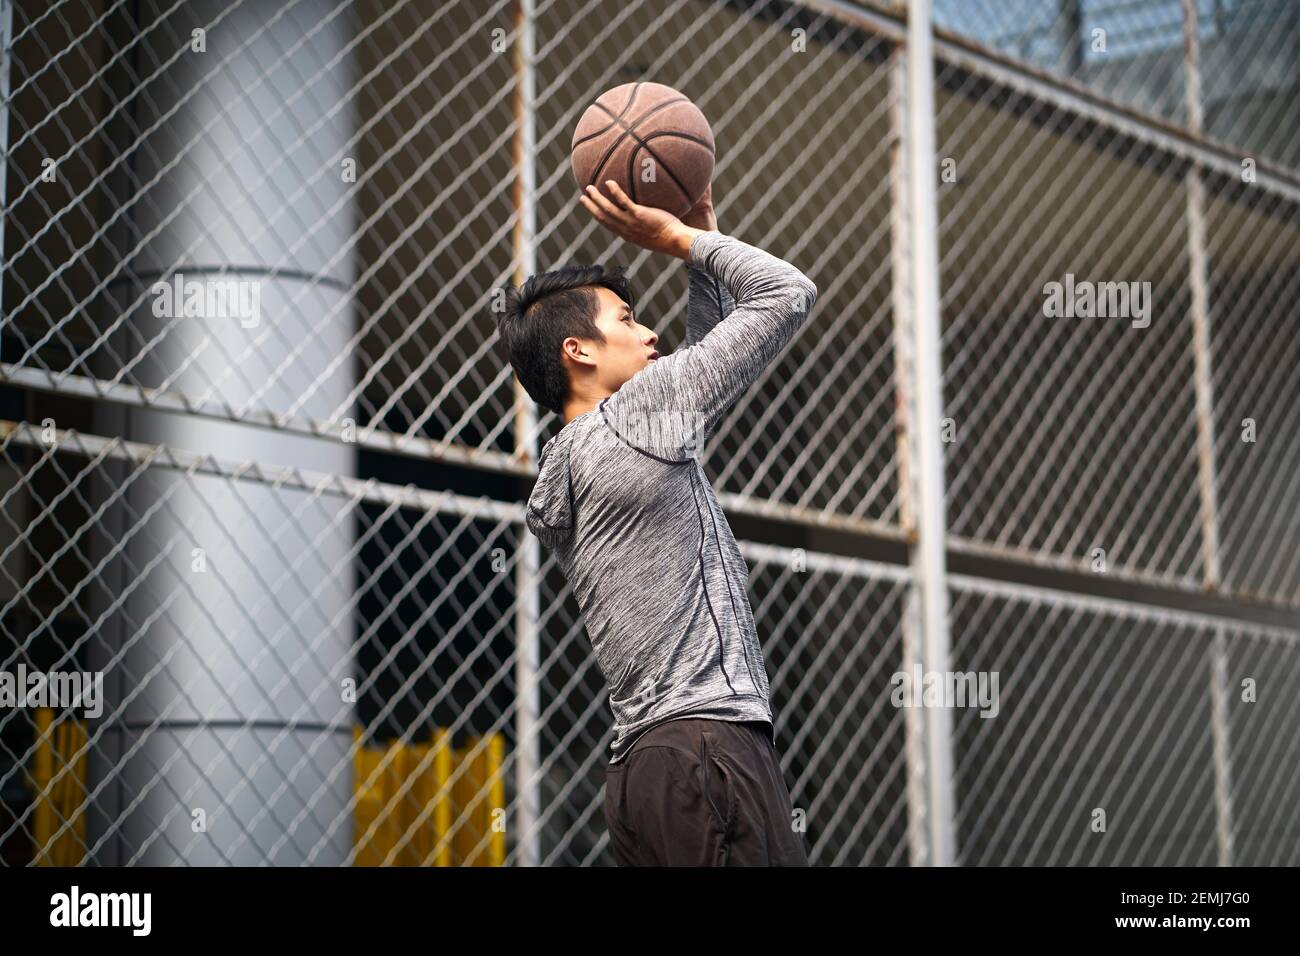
(1100, 412)
(257, 632)
(1103, 751)
(287, 532)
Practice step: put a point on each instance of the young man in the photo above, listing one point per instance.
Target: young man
(623, 502)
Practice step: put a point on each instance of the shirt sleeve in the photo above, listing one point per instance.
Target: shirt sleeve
(708, 302)
(667, 409)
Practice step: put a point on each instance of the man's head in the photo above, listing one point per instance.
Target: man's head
(572, 333)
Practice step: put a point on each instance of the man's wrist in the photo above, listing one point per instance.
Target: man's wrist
(704, 219)
(680, 244)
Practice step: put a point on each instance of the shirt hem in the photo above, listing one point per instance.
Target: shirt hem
(696, 710)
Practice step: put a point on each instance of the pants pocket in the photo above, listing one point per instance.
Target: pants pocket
(622, 839)
(719, 787)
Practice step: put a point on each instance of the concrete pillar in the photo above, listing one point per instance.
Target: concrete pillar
(230, 676)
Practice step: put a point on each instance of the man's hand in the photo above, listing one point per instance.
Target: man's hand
(644, 226)
(701, 215)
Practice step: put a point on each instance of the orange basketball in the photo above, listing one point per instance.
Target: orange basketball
(651, 140)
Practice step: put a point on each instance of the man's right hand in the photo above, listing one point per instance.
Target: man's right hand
(644, 226)
(702, 215)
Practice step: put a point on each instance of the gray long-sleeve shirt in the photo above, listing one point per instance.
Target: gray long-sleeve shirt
(623, 502)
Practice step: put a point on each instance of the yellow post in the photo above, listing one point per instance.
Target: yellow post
(407, 812)
(443, 764)
(42, 798)
(467, 799)
(68, 792)
(497, 800)
(422, 840)
(369, 793)
(79, 735)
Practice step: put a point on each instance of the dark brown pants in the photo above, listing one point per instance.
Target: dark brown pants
(699, 792)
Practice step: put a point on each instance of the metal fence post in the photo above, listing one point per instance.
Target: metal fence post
(1222, 752)
(527, 570)
(918, 844)
(1205, 434)
(927, 544)
(1199, 281)
(6, 32)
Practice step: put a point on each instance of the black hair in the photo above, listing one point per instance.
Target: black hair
(548, 308)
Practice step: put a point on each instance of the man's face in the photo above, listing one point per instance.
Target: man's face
(629, 346)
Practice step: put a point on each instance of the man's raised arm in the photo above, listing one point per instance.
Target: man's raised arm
(667, 408)
(679, 399)
(708, 302)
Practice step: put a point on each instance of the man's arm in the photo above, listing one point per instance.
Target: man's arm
(668, 408)
(708, 302)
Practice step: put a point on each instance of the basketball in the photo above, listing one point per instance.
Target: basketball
(651, 140)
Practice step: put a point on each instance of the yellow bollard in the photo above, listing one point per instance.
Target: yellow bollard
(443, 765)
(497, 802)
(42, 798)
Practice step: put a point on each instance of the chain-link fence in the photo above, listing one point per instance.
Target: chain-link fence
(262, 468)
(1121, 739)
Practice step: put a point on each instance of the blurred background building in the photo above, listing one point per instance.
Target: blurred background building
(292, 541)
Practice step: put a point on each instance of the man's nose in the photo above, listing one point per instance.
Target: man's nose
(651, 339)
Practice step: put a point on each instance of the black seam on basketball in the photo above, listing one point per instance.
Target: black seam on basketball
(631, 164)
(627, 131)
(645, 144)
(680, 135)
(644, 116)
(642, 144)
(615, 119)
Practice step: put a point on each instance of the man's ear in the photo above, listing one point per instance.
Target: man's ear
(576, 350)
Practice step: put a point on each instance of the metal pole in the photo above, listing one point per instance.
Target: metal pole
(527, 570)
(918, 844)
(927, 551)
(6, 34)
(1204, 388)
(1222, 753)
(1199, 281)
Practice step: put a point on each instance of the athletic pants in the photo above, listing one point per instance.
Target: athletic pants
(701, 792)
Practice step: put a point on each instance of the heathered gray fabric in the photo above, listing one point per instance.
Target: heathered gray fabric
(623, 502)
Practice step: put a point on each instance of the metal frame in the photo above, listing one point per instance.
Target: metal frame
(890, 22)
(921, 319)
(97, 448)
(528, 570)
(916, 47)
(6, 33)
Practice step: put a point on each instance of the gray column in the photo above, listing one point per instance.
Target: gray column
(528, 663)
(230, 677)
(929, 571)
